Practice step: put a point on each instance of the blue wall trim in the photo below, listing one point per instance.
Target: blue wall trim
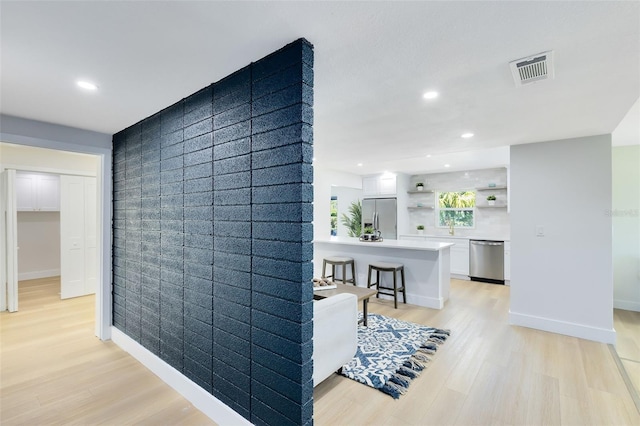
(212, 236)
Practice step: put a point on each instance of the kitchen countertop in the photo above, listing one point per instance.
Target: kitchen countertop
(463, 237)
(392, 244)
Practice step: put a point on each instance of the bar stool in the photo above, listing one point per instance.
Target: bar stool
(339, 261)
(388, 267)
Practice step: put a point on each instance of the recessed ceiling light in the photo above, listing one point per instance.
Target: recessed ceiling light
(359, 164)
(447, 165)
(86, 85)
(430, 95)
(466, 135)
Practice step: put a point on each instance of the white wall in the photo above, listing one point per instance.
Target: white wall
(322, 181)
(489, 222)
(626, 227)
(48, 160)
(39, 242)
(562, 282)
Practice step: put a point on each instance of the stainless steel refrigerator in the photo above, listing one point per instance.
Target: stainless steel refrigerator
(381, 213)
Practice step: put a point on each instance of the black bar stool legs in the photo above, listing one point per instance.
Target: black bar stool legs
(339, 261)
(389, 291)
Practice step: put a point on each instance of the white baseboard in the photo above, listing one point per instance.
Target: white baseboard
(562, 327)
(211, 406)
(626, 305)
(38, 274)
(461, 277)
(427, 302)
(414, 299)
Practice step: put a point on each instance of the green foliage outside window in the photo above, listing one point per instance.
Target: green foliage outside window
(457, 208)
(334, 215)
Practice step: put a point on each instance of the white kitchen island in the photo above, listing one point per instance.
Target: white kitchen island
(426, 265)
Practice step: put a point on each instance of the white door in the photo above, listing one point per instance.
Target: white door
(91, 235)
(9, 251)
(78, 251)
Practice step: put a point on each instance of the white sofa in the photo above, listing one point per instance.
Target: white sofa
(335, 326)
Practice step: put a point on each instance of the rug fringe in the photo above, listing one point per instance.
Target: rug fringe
(393, 389)
(399, 382)
(420, 358)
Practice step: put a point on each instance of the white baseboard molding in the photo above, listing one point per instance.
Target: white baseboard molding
(414, 299)
(461, 277)
(562, 327)
(627, 305)
(211, 406)
(34, 275)
(427, 302)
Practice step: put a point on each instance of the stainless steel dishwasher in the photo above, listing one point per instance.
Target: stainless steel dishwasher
(486, 261)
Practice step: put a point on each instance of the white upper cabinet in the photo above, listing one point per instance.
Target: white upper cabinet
(379, 185)
(387, 185)
(37, 192)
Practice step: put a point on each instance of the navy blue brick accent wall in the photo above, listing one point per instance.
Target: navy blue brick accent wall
(212, 237)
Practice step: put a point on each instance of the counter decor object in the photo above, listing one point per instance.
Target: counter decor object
(420, 229)
(371, 235)
(491, 199)
(371, 238)
(491, 185)
(419, 186)
(323, 284)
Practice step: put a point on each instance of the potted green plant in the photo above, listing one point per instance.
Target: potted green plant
(419, 186)
(353, 222)
(368, 233)
(420, 229)
(491, 199)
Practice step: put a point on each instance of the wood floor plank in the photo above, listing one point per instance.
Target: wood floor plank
(55, 371)
(489, 373)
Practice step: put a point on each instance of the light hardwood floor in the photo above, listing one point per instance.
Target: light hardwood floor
(627, 325)
(55, 371)
(488, 373)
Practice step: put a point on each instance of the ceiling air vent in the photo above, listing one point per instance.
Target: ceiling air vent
(533, 68)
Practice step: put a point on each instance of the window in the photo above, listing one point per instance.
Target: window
(457, 207)
(334, 215)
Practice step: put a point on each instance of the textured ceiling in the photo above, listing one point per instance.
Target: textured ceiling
(373, 61)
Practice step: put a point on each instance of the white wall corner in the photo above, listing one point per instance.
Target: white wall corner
(626, 305)
(211, 406)
(581, 331)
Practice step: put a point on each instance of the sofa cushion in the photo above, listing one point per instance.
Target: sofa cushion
(335, 340)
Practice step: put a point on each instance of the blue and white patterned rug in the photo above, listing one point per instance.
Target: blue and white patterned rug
(391, 353)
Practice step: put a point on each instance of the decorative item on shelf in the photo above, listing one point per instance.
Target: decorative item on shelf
(491, 199)
(420, 229)
(491, 185)
(419, 186)
(419, 205)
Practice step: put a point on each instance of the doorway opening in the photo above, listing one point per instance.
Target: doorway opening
(70, 206)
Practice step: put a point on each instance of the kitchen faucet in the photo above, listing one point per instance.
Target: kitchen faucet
(450, 227)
